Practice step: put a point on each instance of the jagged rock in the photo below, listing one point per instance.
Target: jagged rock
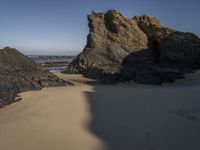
(177, 46)
(140, 49)
(19, 73)
(112, 37)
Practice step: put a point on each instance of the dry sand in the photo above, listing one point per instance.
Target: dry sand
(50, 119)
(95, 117)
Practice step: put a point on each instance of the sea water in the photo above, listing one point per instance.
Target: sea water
(53, 63)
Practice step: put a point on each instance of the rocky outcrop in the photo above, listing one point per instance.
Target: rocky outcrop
(140, 49)
(19, 73)
(112, 37)
(180, 47)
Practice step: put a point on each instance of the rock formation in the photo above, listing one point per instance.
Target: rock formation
(112, 37)
(140, 49)
(178, 46)
(19, 73)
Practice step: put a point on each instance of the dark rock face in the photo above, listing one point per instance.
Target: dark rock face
(112, 37)
(177, 46)
(140, 49)
(19, 73)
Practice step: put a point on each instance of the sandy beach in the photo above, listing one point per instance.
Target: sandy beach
(50, 119)
(97, 117)
(99, 75)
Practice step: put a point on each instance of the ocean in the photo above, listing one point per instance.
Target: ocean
(53, 63)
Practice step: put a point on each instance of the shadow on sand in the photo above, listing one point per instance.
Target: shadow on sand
(137, 117)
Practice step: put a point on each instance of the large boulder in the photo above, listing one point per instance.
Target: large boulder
(19, 73)
(140, 49)
(111, 38)
(177, 46)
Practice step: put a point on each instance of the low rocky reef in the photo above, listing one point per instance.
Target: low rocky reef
(140, 49)
(19, 73)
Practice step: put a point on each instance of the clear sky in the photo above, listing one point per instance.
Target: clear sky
(60, 26)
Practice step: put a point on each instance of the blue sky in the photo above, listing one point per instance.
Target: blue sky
(60, 26)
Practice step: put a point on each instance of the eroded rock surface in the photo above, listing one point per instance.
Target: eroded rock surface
(19, 73)
(121, 49)
(112, 37)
